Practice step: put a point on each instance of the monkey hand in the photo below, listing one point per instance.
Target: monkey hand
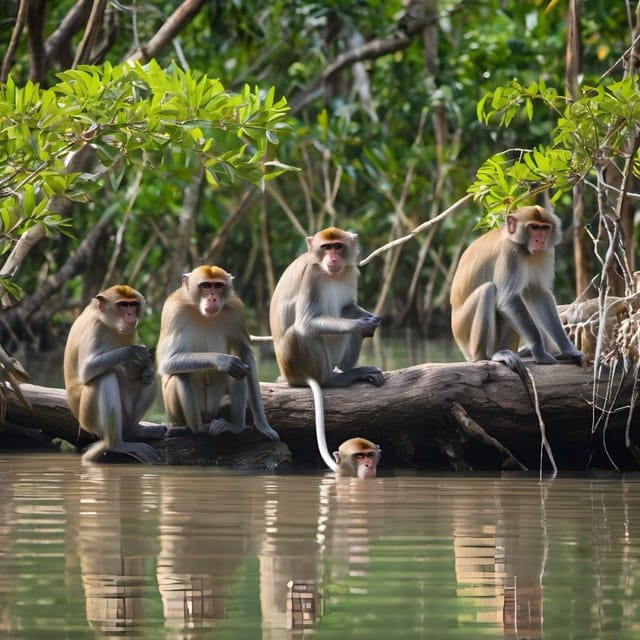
(367, 325)
(147, 376)
(232, 365)
(140, 355)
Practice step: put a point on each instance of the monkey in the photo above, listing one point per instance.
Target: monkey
(109, 378)
(502, 292)
(316, 325)
(204, 352)
(356, 457)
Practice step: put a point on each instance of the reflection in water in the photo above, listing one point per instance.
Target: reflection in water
(139, 552)
(201, 548)
(112, 549)
(500, 552)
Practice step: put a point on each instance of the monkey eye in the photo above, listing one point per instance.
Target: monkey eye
(537, 227)
(361, 455)
(338, 246)
(211, 285)
(123, 304)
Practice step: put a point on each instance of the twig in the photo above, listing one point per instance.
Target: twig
(414, 232)
(545, 442)
(473, 429)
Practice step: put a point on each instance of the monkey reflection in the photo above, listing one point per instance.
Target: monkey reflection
(113, 569)
(198, 562)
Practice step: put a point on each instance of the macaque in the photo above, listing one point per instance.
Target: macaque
(358, 458)
(502, 293)
(316, 325)
(109, 378)
(202, 323)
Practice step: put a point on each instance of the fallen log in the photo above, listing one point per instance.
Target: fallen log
(416, 418)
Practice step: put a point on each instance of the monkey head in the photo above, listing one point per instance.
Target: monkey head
(208, 287)
(534, 227)
(120, 307)
(358, 458)
(333, 249)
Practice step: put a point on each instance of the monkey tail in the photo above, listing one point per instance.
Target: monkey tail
(514, 362)
(95, 451)
(320, 430)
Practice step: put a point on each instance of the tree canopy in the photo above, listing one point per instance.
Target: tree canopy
(141, 139)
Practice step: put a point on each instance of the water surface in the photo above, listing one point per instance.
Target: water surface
(134, 551)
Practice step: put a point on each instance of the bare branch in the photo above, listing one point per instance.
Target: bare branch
(168, 31)
(418, 229)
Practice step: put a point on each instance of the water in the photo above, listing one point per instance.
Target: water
(134, 551)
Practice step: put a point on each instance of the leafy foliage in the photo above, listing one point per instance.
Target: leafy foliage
(131, 114)
(589, 132)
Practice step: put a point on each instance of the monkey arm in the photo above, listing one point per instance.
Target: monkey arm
(354, 311)
(331, 325)
(193, 362)
(100, 363)
(255, 399)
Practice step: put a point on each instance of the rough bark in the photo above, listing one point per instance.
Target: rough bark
(415, 417)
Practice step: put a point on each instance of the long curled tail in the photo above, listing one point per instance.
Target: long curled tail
(320, 430)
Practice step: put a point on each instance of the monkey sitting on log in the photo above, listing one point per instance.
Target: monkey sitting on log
(502, 292)
(202, 324)
(109, 378)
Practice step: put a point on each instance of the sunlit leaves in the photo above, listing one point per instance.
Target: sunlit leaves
(130, 114)
(597, 126)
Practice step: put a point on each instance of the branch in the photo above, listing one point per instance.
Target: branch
(58, 44)
(168, 31)
(418, 229)
(370, 51)
(15, 37)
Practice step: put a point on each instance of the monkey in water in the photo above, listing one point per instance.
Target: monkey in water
(316, 324)
(109, 378)
(204, 352)
(502, 293)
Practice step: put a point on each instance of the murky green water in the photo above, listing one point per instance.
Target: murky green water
(180, 552)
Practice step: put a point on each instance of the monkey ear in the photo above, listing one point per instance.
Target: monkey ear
(336, 457)
(512, 223)
(101, 300)
(309, 240)
(184, 279)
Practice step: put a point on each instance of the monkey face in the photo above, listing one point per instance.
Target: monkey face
(333, 257)
(211, 296)
(127, 311)
(538, 236)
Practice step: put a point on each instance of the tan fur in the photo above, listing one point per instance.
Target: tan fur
(305, 284)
